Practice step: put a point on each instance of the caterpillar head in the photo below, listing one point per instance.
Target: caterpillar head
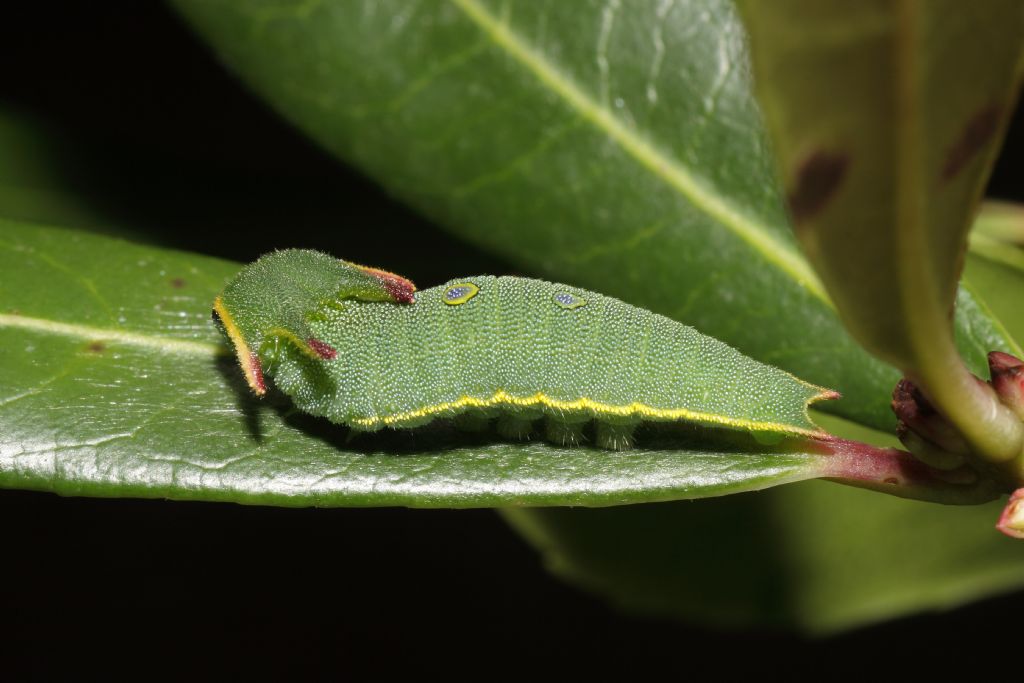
(273, 297)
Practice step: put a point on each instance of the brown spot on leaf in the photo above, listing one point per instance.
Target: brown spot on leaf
(97, 347)
(974, 136)
(817, 180)
(178, 282)
(891, 480)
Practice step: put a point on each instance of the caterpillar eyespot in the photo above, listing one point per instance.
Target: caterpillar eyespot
(460, 293)
(362, 348)
(570, 301)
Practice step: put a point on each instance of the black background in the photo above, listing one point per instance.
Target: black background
(150, 130)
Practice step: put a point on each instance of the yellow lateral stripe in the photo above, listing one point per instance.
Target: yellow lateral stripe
(502, 397)
(245, 356)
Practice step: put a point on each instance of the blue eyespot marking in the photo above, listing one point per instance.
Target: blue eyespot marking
(460, 293)
(570, 301)
(456, 293)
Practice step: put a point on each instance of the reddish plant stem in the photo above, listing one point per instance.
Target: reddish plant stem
(899, 473)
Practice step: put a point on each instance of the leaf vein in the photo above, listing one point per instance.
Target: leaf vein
(670, 171)
(89, 333)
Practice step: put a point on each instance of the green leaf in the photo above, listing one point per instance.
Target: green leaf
(117, 384)
(883, 172)
(816, 556)
(994, 273)
(994, 268)
(1000, 286)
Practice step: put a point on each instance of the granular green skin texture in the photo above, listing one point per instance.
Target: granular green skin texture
(269, 302)
(511, 348)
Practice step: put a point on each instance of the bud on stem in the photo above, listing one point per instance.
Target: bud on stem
(1008, 380)
(1011, 522)
(917, 416)
(936, 441)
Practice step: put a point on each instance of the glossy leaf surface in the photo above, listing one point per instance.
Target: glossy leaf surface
(1002, 284)
(116, 383)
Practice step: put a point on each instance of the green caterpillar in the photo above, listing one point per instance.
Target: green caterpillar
(362, 348)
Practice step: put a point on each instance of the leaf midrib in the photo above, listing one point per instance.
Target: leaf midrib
(90, 333)
(646, 154)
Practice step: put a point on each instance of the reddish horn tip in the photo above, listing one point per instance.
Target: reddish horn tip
(400, 289)
(322, 349)
(254, 374)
